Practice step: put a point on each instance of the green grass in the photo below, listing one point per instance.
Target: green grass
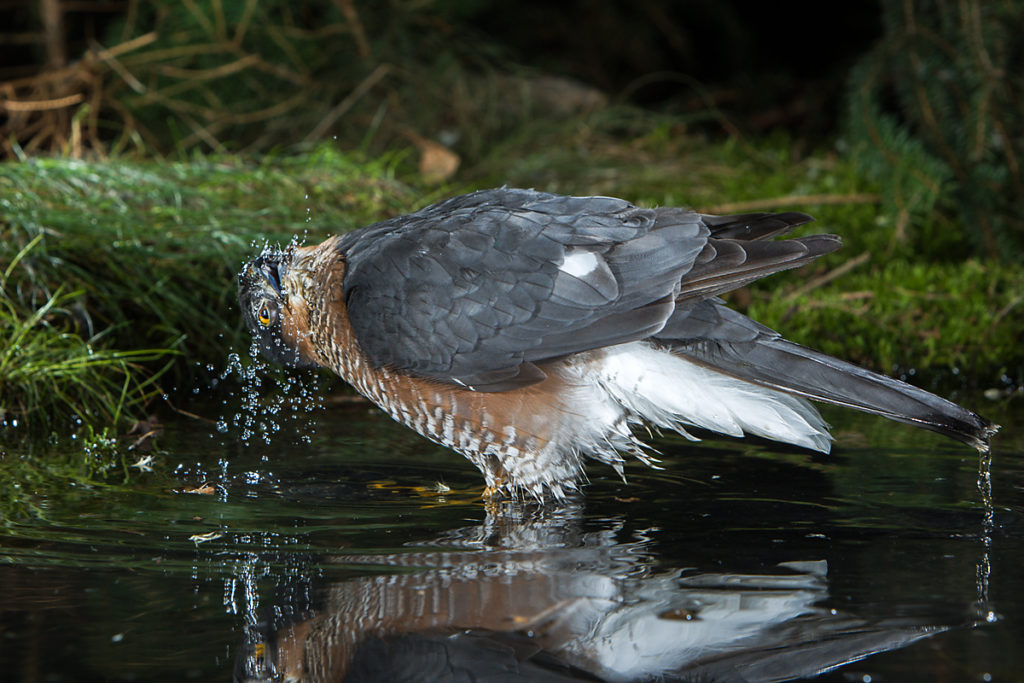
(118, 271)
(941, 320)
(47, 368)
(112, 267)
(153, 246)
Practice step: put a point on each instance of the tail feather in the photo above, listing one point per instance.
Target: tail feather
(754, 226)
(782, 365)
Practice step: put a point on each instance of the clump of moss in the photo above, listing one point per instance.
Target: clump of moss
(941, 320)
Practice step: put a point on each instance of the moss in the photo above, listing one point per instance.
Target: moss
(942, 319)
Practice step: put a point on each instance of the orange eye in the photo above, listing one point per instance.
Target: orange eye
(264, 316)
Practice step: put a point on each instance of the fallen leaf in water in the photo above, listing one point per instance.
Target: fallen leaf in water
(203, 489)
(145, 463)
(203, 538)
(679, 614)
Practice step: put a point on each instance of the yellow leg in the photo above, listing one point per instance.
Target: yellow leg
(492, 492)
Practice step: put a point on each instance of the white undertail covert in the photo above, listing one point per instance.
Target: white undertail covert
(641, 382)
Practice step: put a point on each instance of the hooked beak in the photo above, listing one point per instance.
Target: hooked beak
(269, 267)
(272, 274)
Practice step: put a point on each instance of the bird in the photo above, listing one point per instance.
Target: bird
(530, 331)
(557, 596)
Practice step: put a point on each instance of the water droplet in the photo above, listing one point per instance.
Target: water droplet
(984, 483)
(265, 406)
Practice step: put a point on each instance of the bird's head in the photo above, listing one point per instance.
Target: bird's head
(277, 323)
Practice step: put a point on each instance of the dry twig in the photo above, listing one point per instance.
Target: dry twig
(829, 276)
(791, 200)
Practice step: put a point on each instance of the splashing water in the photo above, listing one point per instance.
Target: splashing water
(297, 240)
(263, 410)
(984, 570)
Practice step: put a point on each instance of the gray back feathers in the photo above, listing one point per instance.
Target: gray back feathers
(482, 288)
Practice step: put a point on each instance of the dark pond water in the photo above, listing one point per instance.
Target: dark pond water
(367, 552)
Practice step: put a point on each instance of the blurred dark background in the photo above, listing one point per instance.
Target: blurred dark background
(924, 94)
(765, 64)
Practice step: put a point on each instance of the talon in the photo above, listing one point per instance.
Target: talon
(492, 493)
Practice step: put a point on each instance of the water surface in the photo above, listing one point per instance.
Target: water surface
(364, 551)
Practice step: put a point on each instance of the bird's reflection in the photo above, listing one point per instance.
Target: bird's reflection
(530, 596)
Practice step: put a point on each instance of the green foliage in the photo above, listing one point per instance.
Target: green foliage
(47, 368)
(900, 316)
(112, 267)
(934, 116)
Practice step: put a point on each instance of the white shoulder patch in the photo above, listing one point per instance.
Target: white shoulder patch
(580, 263)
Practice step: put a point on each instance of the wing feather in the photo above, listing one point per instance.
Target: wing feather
(484, 288)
